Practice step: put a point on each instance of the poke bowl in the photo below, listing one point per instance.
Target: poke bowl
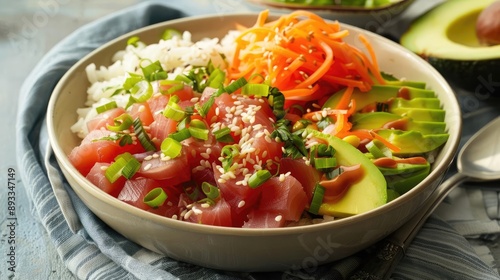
(279, 243)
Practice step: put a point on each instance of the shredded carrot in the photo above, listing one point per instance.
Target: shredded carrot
(299, 51)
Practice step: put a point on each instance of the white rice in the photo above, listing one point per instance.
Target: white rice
(176, 56)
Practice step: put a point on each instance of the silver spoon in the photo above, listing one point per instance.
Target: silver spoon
(478, 160)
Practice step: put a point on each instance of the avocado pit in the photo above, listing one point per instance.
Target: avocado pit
(488, 25)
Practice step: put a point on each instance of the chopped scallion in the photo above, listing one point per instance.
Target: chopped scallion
(259, 178)
(198, 133)
(143, 137)
(224, 135)
(121, 123)
(124, 165)
(317, 200)
(170, 147)
(259, 90)
(180, 135)
(133, 41)
(170, 33)
(150, 70)
(234, 86)
(155, 198)
(105, 107)
(211, 191)
(141, 91)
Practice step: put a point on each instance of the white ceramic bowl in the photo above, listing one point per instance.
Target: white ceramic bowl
(237, 248)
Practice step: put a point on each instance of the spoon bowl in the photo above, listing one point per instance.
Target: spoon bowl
(480, 156)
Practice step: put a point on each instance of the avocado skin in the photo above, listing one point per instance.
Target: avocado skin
(467, 74)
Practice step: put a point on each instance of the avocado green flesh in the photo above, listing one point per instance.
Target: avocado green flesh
(368, 193)
(413, 142)
(446, 37)
(429, 103)
(376, 120)
(418, 114)
(402, 183)
(378, 94)
(403, 168)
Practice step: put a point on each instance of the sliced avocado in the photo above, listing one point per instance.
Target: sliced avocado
(368, 193)
(392, 194)
(376, 120)
(407, 83)
(429, 103)
(379, 93)
(402, 183)
(403, 168)
(418, 114)
(446, 37)
(413, 142)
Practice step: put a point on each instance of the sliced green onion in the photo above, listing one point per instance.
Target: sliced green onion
(211, 191)
(183, 78)
(133, 41)
(378, 149)
(198, 124)
(121, 123)
(132, 80)
(324, 150)
(183, 124)
(124, 165)
(151, 69)
(259, 178)
(180, 135)
(228, 153)
(105, 107)
(170, 33)
(141, 91)
(173, 110)
(174, 86)
(170, 147)
(234, 86)
(198, 133)
(155, 198)
(259, 90)
(216, 78)
(143, 137)
(317, 199)
(224, 135)
(277, 101)
(325, 162)
(160, 75)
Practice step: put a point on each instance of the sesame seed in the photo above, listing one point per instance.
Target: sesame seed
(104, 167)
(174, 217)
(147, 167)
(282, 177)
(195, 99)
(241, 204)
(197, 211)
(188, 214)
(205, 155)
(205, 205)
(278, 218)
(264, 154)
(148, 157)
(156, 155)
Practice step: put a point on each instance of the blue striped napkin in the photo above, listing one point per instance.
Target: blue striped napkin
(94, 251)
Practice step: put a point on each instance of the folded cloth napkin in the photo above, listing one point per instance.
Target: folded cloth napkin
(92, 250)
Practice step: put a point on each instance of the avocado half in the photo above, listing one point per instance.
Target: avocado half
(446, 37)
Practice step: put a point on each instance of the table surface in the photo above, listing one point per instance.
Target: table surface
(41, 24)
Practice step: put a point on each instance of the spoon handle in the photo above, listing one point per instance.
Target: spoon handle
(381, 261)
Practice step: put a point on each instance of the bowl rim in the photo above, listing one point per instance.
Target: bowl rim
(63, 159)
(329, 8)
